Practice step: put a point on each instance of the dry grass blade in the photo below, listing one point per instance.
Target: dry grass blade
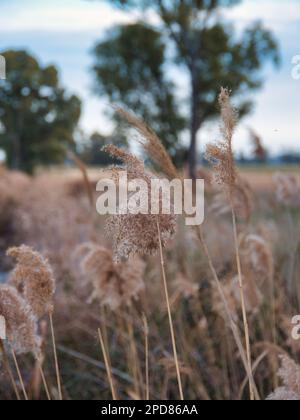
(40, 367)
(19, 374)
(242, 295)
(222, 158)
(8, 370)
(107, 366)
(55, 357)
(81, 166)
(162, 262)
(231, 321)
(150, 142)
(146, 332)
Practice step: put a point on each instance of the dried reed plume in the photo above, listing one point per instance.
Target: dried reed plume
(290, 375)
(221, 154)
(222, 158)
(258, 255)
(33, 278)
(137, 233)
(81, 166)
(258, 147)
(287, 189)
(150, 142)
(21, 324)
(146, 233)
(113, 284)
(242, 200)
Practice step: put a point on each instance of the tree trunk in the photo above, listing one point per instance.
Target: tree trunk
(193, 154)
(16, 152)
(194, 127)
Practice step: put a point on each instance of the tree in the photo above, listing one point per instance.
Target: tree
(208, 49)
(129, 69)
(37, 117)
(92, 153)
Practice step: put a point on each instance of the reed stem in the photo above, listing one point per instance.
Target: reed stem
(55, 358)
(9, 371)
(241, 288)
(162, 262)
(107, 366)
(146, 332)
(19, 374)
(232, 324)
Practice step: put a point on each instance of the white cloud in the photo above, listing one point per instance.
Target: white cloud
(276, 113)
(275, 13)
(66, 15)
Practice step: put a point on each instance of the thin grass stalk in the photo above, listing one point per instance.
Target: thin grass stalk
(146, 332)
(9, 371)
(232, 324)
(81, 166)
(19, 374)
(107, 366)
(134, 359)
(241, 288)
(55, 357)
(162, 261)
(40, 367)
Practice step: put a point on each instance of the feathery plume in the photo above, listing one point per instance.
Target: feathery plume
(221, 154)
(21, 324)
(287, 189)
(259, 150)
(137, 233)
(33, 278)
(290, 375)
(242, 200)
(151, 143)
(113, 284)
(222, 158)
(257, 254)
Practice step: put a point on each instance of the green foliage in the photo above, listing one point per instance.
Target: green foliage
(207, 48)
(37, 117)
(92, 153)
(129, 68)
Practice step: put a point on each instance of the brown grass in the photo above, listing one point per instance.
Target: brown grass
(51, 213)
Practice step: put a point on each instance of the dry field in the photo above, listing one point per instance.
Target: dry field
(233, 289)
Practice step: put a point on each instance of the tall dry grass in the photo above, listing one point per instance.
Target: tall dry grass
(231, 287)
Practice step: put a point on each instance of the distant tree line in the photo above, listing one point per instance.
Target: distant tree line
(137, 66)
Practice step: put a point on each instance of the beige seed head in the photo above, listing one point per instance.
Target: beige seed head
(221, 154)
(33, 278)
(151, 144)
(113, 284)
(137, 233)
(21, 324)
(290, 375)
(287, 189)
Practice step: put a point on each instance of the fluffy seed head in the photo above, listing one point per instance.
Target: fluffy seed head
(257, 254)
(33, 278)
(290, 375)
(151, 144)
(287, 189)
(113, 284)
(21, 324)
(242, 201)
(221, 154)
(138, 233)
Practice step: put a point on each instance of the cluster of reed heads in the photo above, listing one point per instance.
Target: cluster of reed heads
(177, 312)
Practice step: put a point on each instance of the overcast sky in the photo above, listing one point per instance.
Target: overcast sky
(64, 31)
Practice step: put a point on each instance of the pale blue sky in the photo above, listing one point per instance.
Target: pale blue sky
(63, 32)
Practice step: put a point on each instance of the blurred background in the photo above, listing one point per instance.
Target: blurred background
(68, 61)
